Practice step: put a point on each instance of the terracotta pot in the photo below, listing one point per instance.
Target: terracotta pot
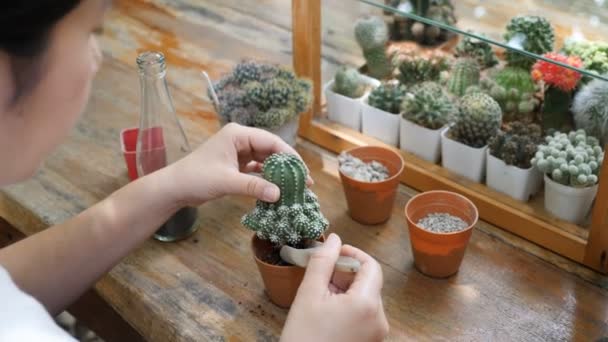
(439, 254)
(281, 282)
(372, 203)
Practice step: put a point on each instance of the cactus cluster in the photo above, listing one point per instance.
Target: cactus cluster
(478, 119)
(387, 97)
(477, 49)
(428, 105)
(514, 89)
(371, 34)
(261, 95)
(296, 216)
(572, 159)
(464, 74)
(590, 109)
(349, 82)
(415, 68)
(403, 28)
(516, 144)
(529, 33)
(593, 54)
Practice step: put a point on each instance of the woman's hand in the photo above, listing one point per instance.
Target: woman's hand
(337, 306)
(220, 166)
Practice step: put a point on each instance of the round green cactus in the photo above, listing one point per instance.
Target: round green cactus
(296, 216)
(590, 109)
(465, 73)
(387, 97)
(514, 90)
(348, 82)
(477, 49)
(428, 105)
(572, 159)
(371, 33)
(479, 118)
(529, 33)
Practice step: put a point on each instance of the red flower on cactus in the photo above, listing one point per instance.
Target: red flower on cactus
(555, 75)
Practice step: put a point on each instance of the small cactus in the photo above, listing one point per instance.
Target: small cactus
(529, 33)
(387, 97)
(416, 69)
(477, 49)
(514, 90)
(296, 216)
(590, 109)
(593, 53)
(516, 144)
(371, 33)
(403, 28)
(349, 82)
(465, 73)
(428, 105)
(572, 159)
(478, 120)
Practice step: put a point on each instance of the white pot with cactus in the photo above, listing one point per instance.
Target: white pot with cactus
(571, 163)
(426, 110)
(345, 94)
(464, 144)
(263, 95)
(380, 112)
(509, 168)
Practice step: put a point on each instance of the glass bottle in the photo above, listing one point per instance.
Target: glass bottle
(161, 139)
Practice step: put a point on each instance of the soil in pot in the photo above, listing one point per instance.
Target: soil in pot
(440, 225)
(371, 187)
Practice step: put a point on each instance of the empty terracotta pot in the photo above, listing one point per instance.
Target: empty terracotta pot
(439, 254)
(281, 282)
(372, 202)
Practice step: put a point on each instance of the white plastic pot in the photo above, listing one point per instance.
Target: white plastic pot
(511, 180)
(380, 124)
(421, 141)
(288, 131)
(344, 110)
(463, 160)
(568, 203)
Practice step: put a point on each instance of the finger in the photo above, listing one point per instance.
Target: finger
(243, 184)
(368, 280)
(252, 167)
(321, 266)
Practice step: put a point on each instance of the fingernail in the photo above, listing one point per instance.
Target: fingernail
(310, 180)
(271, 194)
(332, 239)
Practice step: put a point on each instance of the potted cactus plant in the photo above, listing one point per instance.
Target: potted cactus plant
(571, 163)
(509, 168)
(426, 110)
(465, 73)
(371, 34)
(559, 84)
(414, 68)
(263, 95)
(294, 220)
(594, 55)
(590, 109)
(463, 146)
(477, 49)
(514, 90)
(380, 112)
(529, 33)
(345, 94)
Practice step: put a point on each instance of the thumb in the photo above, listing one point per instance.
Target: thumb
(321, 265)
(244, 184)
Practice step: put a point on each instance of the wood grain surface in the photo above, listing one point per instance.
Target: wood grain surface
(207, 287)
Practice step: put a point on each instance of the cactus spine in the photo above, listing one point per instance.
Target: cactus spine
(387, 97)
(516, 144)
(348, 82)
(372, 35)
(465, 73)
(572, 159)
(296, 216)
(428, 105)
(590, 109)
(478, 120)
(530, 33)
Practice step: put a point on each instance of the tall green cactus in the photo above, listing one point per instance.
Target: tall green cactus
(296, 216)
(465, 73)
(387, 97)
(349, 82)
(371, 33)
(478, 120)
(429, 105)
(530, 33)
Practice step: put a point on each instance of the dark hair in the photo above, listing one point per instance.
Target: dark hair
(25, 26)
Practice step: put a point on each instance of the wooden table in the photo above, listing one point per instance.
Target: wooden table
(207, 287)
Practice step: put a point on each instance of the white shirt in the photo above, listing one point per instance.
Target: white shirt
(23, 318)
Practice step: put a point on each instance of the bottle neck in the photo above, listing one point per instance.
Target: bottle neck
(151, 65)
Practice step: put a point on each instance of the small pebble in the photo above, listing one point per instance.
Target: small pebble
(442, 223)
(360, 170)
